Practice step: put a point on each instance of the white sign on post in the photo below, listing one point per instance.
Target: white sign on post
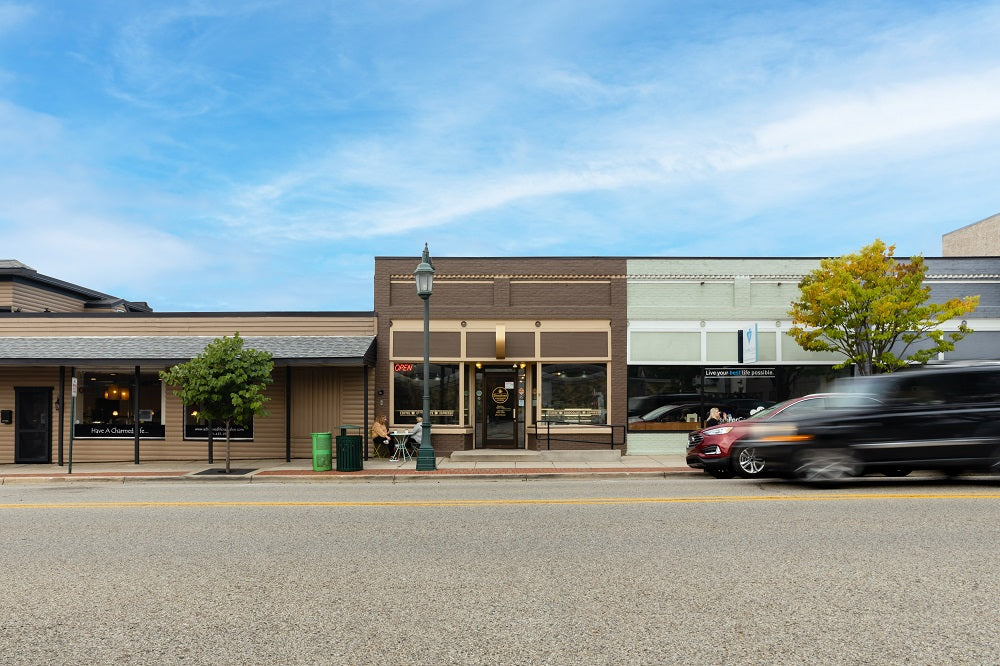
(749, 342)
(72, 390)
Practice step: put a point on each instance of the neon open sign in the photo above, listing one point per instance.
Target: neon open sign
(403, 367)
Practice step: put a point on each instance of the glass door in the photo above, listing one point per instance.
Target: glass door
(32, 425)
(500, 407)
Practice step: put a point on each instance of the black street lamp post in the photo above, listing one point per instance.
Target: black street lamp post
(425, 285)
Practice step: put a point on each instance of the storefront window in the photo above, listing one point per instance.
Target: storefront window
(196, 427)
(105, 405)
(575, 393)
(653, 386)
(408, 393)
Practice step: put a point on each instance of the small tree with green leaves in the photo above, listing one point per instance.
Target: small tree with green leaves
(872, 309)
(226, 382)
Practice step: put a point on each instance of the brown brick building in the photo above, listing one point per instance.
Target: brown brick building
(525, 352)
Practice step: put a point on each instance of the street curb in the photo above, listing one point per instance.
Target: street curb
(34, 479)
(363, 476)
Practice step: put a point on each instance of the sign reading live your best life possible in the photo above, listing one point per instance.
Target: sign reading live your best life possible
(739, 372)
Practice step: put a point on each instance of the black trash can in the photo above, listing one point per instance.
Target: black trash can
(349, 449)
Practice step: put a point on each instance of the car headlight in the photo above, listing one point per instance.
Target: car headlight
(721, 430)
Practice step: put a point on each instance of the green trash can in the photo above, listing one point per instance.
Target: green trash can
(322, 452)
(349, 449)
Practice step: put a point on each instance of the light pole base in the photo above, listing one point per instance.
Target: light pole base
(425, 460)
(425, 454)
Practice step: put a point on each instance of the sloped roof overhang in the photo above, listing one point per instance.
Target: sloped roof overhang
(169, 350)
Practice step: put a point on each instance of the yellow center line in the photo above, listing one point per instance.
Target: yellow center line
(509, 502)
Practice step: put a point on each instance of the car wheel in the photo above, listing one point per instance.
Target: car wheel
(719, 473)
(748, 463)
(826, 465)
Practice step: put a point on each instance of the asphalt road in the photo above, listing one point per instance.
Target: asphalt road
(685, 571)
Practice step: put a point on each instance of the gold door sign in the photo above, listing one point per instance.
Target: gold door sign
(500, 395)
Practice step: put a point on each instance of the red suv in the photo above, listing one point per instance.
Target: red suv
(709, 448)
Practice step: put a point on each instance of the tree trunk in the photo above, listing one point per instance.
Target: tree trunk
(227, 446)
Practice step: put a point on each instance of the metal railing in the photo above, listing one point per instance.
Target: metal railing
(543, 432)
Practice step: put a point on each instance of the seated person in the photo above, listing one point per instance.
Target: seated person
(714, 418)
(413, 441)
(380, 435)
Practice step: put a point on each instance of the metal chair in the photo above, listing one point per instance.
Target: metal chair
(379, 449)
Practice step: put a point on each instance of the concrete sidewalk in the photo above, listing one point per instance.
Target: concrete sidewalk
(376, 469)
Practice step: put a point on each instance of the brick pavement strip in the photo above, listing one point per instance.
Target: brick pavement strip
(513, 471)
(15, 475)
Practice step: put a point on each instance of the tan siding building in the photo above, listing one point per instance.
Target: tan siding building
(112, 351)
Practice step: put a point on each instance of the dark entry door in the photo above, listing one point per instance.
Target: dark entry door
(32, 425)
(500, 408)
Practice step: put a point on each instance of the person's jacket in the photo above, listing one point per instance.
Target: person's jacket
(417, 432)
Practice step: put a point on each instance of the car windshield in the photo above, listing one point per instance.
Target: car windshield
(768, 412)
(869, 385)
(658, 412)
(844, 400)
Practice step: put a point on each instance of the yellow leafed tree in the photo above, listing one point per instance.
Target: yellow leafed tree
(873, 309)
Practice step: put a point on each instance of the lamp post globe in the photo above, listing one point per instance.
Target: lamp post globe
(424, 275)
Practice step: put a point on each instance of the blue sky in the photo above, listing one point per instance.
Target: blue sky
(256, 155)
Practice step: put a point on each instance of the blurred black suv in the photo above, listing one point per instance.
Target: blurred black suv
(943, 418)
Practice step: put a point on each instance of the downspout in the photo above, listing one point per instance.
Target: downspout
(365, 431)
(288, 413)
(62, 409)
(135, 413)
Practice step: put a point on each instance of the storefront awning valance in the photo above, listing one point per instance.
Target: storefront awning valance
(168, 350)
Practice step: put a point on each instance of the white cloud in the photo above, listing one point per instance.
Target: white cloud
(308, 200)
(12, 15)
(24, 133)
(63, 226)
(860, 120)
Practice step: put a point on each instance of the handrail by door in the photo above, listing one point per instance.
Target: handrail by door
(574, 437)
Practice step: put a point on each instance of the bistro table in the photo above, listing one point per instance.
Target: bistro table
(400, 448)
